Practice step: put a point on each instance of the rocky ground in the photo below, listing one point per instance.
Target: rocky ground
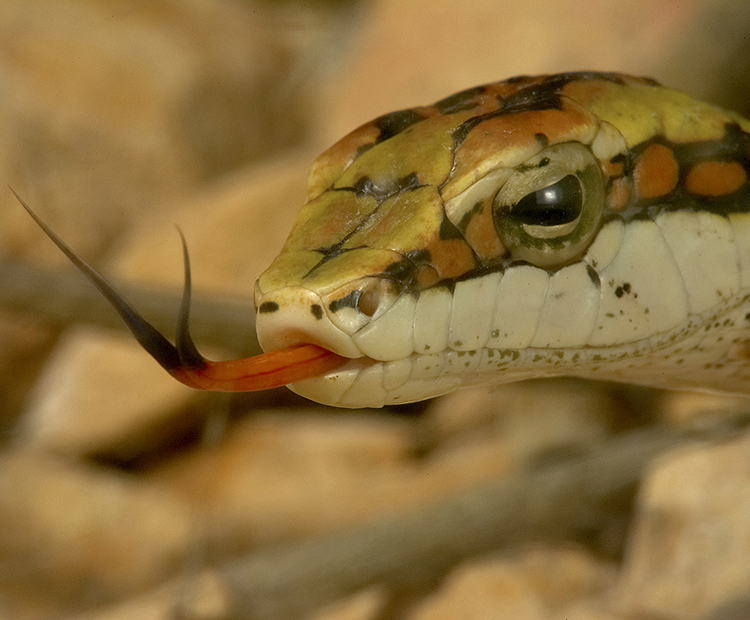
(125, 495)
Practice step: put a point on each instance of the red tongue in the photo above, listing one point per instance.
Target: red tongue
(183, 361)
(261, 372)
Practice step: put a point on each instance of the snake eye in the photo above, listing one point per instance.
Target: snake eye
(549, 210)
(559, 203)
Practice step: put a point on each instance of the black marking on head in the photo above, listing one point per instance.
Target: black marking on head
(394, 123)
(366, 187)
(461, 101)
(330, 252)
(544, 95)
(448, 230)
(460, 133)
(593, 276)
(733, 146)
(542, 139)
(419, 257)
(518, 78)
(349, 301)
(625, 159)
(408, 183)
(267, 307)
(363, 148)
(317, 311)
(401, 270)
(475, 210)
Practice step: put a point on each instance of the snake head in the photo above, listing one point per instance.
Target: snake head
(538, 226)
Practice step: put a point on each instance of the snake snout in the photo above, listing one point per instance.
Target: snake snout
(296, 315)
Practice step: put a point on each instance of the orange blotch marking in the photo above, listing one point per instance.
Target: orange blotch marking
(619, 195)
(451, 258)
(715, 178)
(656, 172)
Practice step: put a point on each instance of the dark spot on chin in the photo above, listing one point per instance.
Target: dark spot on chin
(622, 290)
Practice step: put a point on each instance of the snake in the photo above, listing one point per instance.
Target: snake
(582, 224)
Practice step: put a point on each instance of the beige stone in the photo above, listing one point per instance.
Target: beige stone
(415, 53)
(527, 418)
(362, 606)
(234, 230)
(75, 536)
(701, 407)
(279, 477)
(691, 538)
(591, 610)
(25, 343)
(102, 394)
(112, 110)
(531, 585)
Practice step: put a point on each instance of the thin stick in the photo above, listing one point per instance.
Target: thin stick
(556, 502)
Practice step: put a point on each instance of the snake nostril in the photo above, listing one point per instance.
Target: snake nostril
(267, 307)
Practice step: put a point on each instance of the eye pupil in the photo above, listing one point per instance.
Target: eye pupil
(559, 203)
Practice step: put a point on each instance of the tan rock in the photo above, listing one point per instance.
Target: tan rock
(198, 597)
(362, 606)
(284, 476)
(415, 53)
(73, 536)
(592, 610)
(112, 110)
(689, 549)
(102, 394)
(700, 407)
(523, 419)
(25, 344)
(278, 477)
(531, 585)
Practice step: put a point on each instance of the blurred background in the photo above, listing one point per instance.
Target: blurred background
(121, 118)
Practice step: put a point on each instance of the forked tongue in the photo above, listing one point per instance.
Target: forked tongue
(183, 361)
